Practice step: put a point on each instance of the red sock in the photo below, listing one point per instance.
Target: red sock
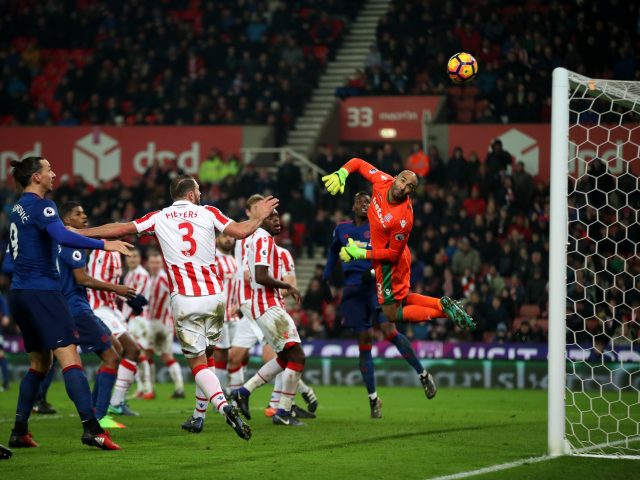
(424, 301)
(417, 314)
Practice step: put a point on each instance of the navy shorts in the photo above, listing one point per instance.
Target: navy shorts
(95, 336)
(359, 307)
(43, 318)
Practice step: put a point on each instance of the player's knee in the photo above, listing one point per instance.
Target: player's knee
(110, 358)
(365, 338)
(295, 353)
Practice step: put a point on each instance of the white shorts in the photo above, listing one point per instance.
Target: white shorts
(198, 321)
(278, 328)
(140, 331)
(160, 337)
(112, 319)
(228, 332)
(247, 333)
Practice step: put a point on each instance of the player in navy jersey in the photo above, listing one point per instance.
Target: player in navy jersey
(38, 305)
(94, 334)
(359, 307)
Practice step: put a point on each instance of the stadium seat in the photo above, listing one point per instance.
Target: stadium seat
(529, 310)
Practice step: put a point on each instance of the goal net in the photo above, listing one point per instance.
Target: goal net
(594, 348)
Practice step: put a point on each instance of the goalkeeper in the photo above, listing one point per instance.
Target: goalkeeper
(391, 220)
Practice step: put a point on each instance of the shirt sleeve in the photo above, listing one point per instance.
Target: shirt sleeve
(398, 239)
(332, 255)
(220, 220)
(288, 267)
(146, 223)
(7, 262)
(73, 257)
(45, 213)
(67, 238)
(263, 247)
(368, 171)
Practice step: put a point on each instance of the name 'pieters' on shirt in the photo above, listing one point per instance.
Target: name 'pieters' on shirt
(186, 233)
(263, 251)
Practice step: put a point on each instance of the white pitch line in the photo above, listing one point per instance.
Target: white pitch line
(494, 468)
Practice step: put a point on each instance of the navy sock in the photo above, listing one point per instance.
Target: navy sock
(78, 390)
(96, 390)
(4, 367)
(46, 383)
(27, 396)
(367, 369)
(403, 345)
(105, 381)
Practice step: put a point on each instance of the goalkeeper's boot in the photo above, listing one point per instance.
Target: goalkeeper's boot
(22, 441)
(282, 417)
(311, 400)
(232, 415)
(456, 313)
(428, 384)
(5, 453)
(99, 440)
(122, 409)
(43, 408)
(193, 424)
(470, 323)
(108, 422)
(298, 412)
(240, 397)
(376, 407)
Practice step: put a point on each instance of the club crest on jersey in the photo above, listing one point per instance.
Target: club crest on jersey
(48, 212)
(76, 255)
(399, 237)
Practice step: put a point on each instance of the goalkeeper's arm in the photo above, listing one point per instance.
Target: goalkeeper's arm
(335, 181)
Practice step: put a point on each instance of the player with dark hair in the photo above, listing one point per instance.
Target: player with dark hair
(359, 306)
(391, 221)
(39, 307)
(94, 334)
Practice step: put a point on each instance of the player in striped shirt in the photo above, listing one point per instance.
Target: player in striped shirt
(217, 355)
(161, 323)
(288, 275)
(139, 279)
(277, 325)
(186, 233)
(107, 267)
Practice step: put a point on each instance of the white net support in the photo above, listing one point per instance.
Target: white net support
(602, 395)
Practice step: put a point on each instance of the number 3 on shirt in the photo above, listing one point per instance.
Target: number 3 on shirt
(188, 238)
(13, 239)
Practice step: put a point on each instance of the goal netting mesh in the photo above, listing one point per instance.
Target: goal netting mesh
(602, 398)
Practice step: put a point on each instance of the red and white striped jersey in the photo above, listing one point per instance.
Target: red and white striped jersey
(140, 280)
(159, 305)
(263, 251)
(227, 268)
(243, 286)
(107, 267)
(187, 233)
(287, 267)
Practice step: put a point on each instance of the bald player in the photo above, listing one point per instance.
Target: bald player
(391, 219)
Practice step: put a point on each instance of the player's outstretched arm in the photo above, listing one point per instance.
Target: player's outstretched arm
(86, 280)
(244, 229)
(110, 230)
(335, 181)
(263, 278)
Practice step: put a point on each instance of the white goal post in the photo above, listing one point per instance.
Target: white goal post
(594, 268)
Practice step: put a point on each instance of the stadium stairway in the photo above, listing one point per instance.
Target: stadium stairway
(349, 57)
(305, 267)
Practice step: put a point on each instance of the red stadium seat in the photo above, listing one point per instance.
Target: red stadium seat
(530, 310)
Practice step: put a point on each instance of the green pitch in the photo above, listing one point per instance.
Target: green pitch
(460, 430)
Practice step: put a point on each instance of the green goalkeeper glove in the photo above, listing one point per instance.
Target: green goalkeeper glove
(335, 181)
(352, 252)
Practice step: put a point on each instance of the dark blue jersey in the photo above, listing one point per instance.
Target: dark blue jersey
(68, 260)
(33, 250)
(354, 270)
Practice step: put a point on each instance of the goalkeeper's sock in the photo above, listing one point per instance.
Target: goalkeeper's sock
(367, 369)
(417, 314)
(403, 345)
(424, 301)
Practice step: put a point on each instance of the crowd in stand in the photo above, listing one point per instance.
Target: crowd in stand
(517, 45)
(145, 62)
(480, 232)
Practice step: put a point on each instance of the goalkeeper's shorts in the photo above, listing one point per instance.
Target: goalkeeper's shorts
(392, 279)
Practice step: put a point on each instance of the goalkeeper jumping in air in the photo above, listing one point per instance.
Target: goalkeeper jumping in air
(391, 220)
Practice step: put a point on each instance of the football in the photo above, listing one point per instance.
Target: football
(462, 67)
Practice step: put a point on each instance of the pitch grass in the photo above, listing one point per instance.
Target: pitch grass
(458, 431)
